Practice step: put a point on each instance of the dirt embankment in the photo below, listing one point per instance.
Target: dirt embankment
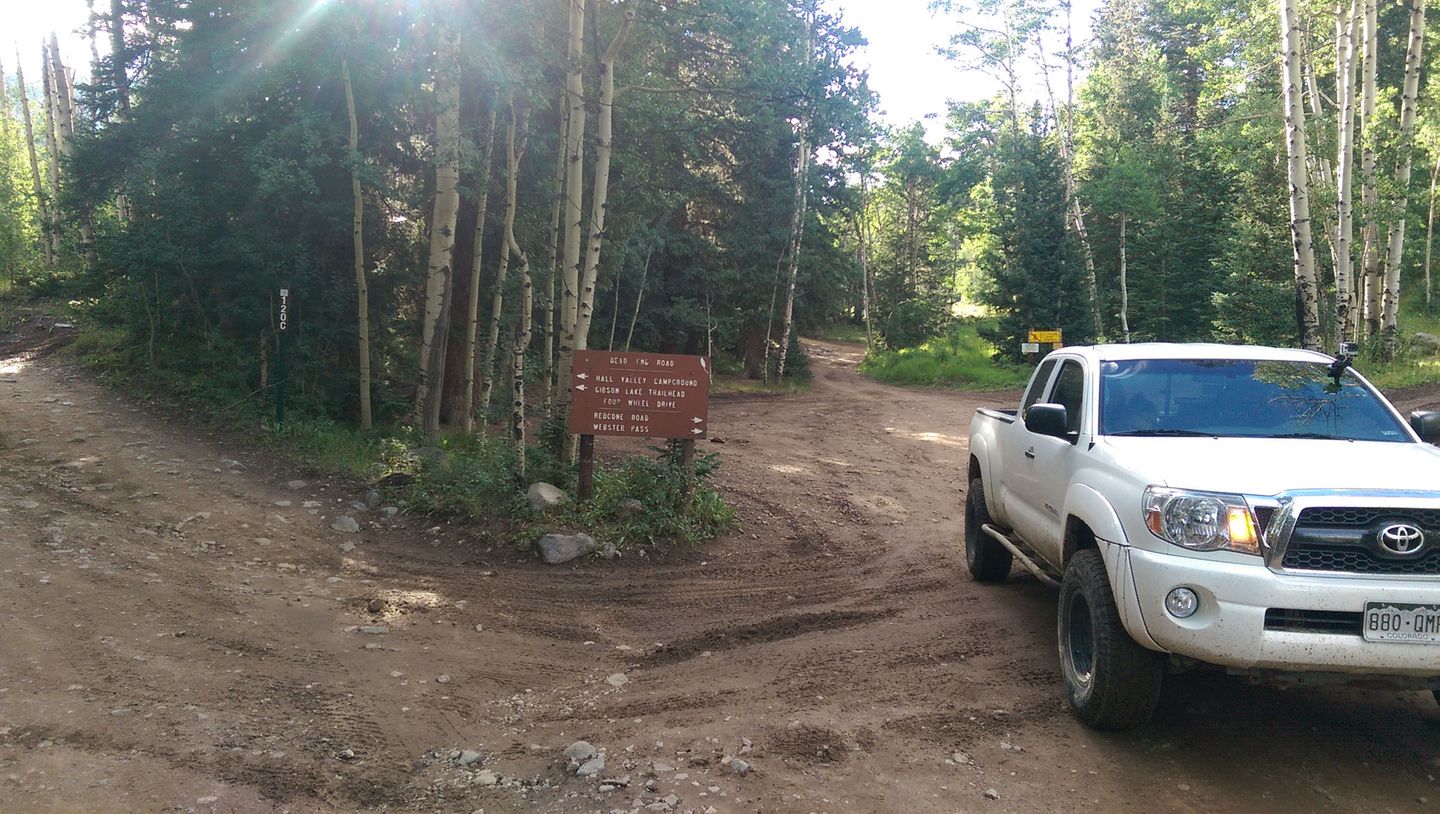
(184, 631)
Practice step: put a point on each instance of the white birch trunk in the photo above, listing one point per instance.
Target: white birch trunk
(502, 270)
(1409, 97)
(802, 190)
(574, 181)
(435, 328)
(639, 297)
(64, 90)
(1370, 252)
(47, 244)
(472, 324)
(1345, 176)
(1304, 250)
(600, 194)
(513, 154)
(1430, 230)
(797, 236)
(1124, 280)
(362, 286)
(52, 151)
(552, 257)
(1075, 213)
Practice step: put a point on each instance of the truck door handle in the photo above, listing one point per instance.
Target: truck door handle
(1030, 453)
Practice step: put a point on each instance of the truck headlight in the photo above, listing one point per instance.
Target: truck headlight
(1201, 521)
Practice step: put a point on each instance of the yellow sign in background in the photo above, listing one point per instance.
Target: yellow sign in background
(1045, 337)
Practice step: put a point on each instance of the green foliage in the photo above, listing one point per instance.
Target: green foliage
(657, 483)
(960, 359)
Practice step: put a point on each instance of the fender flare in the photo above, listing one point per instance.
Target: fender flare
(980, 452)
(1086, 504)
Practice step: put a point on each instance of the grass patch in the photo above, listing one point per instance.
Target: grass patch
(842, 332)
(1412, 366)
(959, 359)
(740, 384)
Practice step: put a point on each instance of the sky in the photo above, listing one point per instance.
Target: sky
(913, 81)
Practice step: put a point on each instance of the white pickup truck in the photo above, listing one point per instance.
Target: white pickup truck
(1257, 509)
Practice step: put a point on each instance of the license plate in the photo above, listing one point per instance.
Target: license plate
(1399, 622)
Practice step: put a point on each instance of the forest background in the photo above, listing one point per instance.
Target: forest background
(458, 194)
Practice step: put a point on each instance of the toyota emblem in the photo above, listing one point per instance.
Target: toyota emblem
(1402, 539)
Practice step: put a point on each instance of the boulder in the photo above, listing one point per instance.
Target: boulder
(1426, 343)
(560, 548)
(544, 497)
(629, 508)
(346, 524)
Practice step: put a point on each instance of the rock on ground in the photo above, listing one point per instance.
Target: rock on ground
(346, 524)
(580, 751)
(560, 548)
(544, 496)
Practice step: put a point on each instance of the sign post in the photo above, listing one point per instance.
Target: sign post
(640, 395)
(1038, 337)
(280, 374)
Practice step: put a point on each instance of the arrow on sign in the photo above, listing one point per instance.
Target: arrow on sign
(582, 375)
(697, 421)
(696, 432)
(579, 387)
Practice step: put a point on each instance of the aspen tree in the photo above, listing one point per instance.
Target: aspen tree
(1345, 173)
(20, 90)
(1430, 230)
(472, 324)
(502, 271)
(1075, 213)
(1300, 231)
(639, 297)
(1124, 280)
(435, 328)
(1369, 200)
(52, 150)
(600, 191)
(552, 257)
(1410, 92)
(574, 180)
(119, 58)
(362, 287)
(802, 189)
(514, 153)
(65, 131)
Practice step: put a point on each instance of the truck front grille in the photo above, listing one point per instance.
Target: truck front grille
(1303, 621)
(1347, 540)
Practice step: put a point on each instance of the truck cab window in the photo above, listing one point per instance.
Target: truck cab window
(1070, 391)
(1037, 385)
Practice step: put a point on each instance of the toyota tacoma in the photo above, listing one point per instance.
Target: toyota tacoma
(1261, 510)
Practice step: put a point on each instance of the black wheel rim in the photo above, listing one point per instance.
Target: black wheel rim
(1079, 641)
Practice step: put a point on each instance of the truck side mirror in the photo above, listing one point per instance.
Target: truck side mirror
(1053, 419)
(1425, 423)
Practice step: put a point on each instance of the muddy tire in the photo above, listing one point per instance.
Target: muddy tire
(987, 559)
(1112, 682)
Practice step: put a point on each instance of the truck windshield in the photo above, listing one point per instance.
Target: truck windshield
(1240, 399)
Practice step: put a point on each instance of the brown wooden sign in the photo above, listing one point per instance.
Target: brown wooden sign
(650, 395)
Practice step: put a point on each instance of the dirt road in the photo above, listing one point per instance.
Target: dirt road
(183, 631)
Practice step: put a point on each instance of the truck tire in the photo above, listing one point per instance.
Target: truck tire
(1112, 682)
(987, 559)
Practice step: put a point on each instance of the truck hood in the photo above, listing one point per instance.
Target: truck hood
(1267, 466)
